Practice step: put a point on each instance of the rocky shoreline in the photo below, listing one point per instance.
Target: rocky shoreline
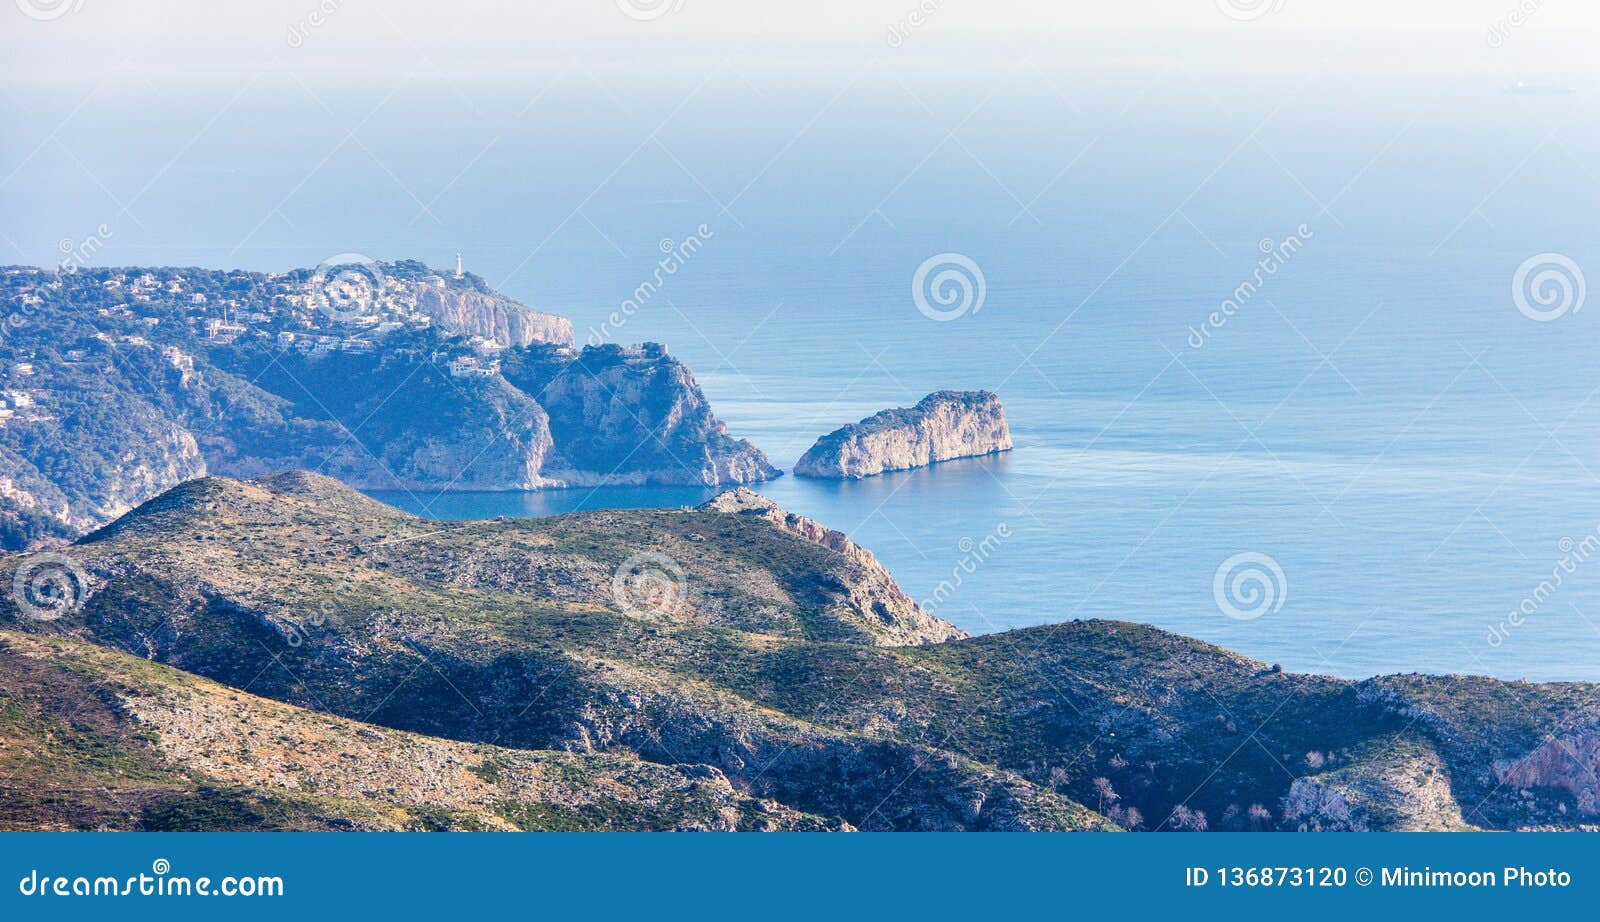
(387, 376)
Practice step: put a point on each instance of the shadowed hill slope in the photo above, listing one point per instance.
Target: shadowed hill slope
(739, 637)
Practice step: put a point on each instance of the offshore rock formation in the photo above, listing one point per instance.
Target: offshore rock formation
(942, 426)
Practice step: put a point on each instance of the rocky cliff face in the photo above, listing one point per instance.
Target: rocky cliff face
(491, 316)
(942, 426)
(1398, 783)
(121, 383)
(1570, 764)
(490, 436)
(637, 416)
(40, 500)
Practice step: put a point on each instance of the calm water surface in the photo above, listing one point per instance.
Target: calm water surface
(1378, 419)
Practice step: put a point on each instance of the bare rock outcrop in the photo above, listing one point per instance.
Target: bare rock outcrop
(637, 416)
(1571, 763)
(491, 316)
(904, 622)
(385, 375)
(942, 426)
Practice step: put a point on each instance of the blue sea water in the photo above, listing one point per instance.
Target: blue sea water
(1402, 452)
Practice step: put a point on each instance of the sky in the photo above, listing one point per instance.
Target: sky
(175, 115)
(64, 41)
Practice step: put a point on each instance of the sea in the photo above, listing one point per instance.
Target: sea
(1297, 365)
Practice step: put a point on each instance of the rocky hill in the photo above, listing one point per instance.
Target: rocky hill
(116, 384)
(731, 642)
(97, 739)
(942, 426)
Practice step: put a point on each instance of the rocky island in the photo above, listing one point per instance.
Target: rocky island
(942, 426)
(116, 384)
(287, 653)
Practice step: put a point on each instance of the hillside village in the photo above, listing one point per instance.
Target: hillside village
(310, 312)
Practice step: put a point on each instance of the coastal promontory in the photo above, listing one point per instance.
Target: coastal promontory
(942, 426)
(119, 383)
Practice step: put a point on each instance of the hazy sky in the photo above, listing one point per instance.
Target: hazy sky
(64, 40)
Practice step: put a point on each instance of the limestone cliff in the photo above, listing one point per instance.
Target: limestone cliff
(1570, 763)
(635, 416)
(491, 316)
(116, 384)
(942, 426)
(39, 503)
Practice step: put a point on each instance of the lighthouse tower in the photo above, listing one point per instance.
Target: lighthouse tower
(458, 265)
